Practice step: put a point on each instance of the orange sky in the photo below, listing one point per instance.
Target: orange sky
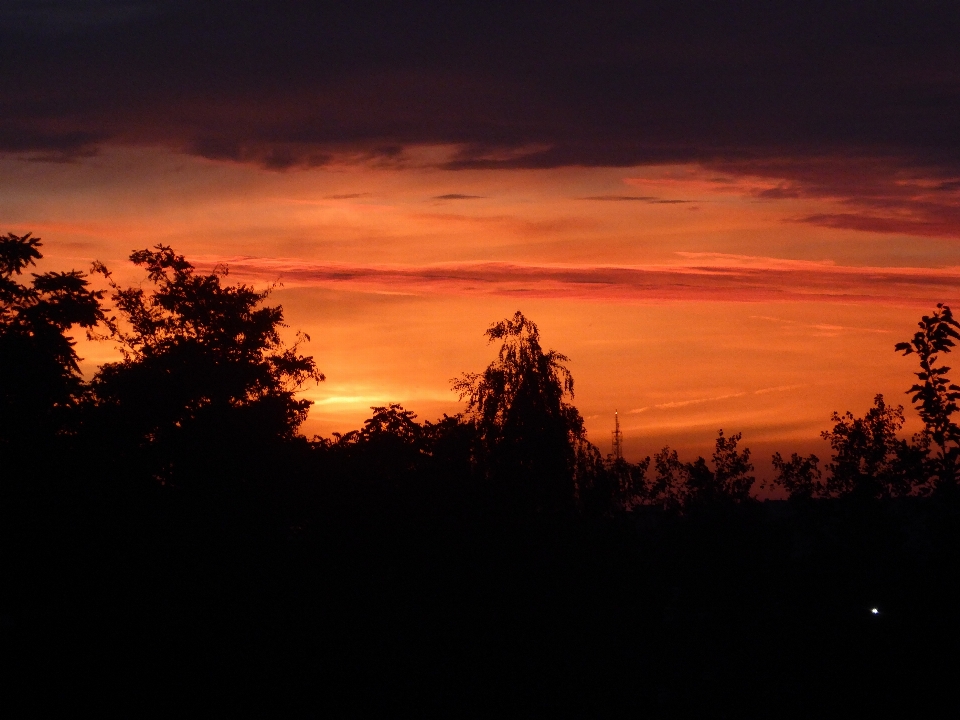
(689, 298)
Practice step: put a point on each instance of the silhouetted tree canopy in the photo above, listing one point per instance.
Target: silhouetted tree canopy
(870, 459)
(800, 476)
(935, 396)
(394, 448)
(622, 485)
(677, 484)
(206, 383)
(203, 363)
(40, 377)
(391, 443)
(529, 435)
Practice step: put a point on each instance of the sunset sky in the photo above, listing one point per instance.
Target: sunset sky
(725, 218)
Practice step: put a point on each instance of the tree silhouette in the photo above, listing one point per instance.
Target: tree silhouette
(728, 481)
(668, 489)
(392, 448)
(529, 435)
(935, 396)
(869, 458)
(40, 380)
(390, 444)
(677, 485)
(731, 476)
(624, 482)
(204, 366)
(800, 476)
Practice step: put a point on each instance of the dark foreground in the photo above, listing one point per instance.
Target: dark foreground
(464, 606)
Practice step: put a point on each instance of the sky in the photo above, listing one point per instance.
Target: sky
(726, 215)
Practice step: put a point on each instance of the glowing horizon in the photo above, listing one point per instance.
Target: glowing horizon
(734, 315)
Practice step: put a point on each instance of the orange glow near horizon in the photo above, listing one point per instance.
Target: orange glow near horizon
(688, 298)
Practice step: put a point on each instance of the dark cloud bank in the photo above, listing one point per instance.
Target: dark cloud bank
(288, 84)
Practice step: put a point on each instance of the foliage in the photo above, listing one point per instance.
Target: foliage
(800, 476)
(731, 476)
(728, 481)
(40, 376)
(669, 487)
(627, 482)
(528, 434)
(202, 361)
(522, 381)
(393, 447)
(391, 441)
(869, 458)
(206, 380)
(677, 485)
(392, 424)
(935, 396)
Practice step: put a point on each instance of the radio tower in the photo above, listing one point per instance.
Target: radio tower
(617, 438)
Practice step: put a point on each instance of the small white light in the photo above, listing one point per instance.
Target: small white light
(874, 611)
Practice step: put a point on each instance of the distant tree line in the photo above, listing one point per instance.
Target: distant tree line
(204, 399)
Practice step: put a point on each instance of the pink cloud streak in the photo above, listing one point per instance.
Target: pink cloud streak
(711, 277)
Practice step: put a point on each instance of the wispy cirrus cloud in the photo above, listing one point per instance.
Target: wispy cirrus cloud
(677, 404)
(823, 328)
(686, 403)
(778, 388)
(710, 276)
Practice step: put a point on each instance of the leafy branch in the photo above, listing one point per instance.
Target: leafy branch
(934, 395)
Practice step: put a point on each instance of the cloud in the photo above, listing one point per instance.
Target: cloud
(716, 398)
(940, 227)
(697, 401)
(457, 196)
(823, 328)
(636, 198)
(864, 194)
(715, 277)
(778, 388)
(59, 17)
(288, 84)
(622, 198)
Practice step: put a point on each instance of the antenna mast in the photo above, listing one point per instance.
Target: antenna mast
(617, 438)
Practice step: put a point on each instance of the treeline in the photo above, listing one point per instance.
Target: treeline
(205, 400)
(165, 527)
